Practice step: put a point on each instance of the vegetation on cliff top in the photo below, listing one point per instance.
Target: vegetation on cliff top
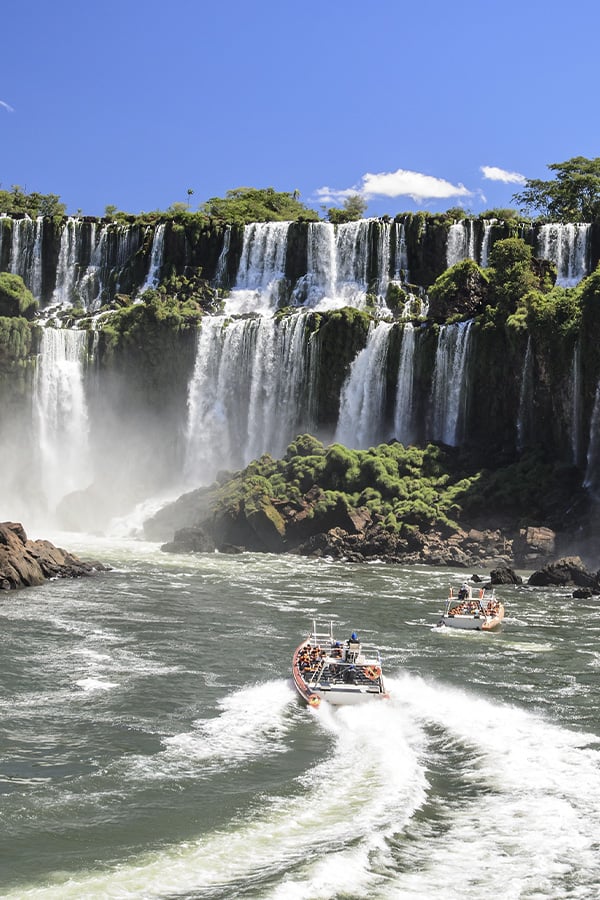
(573, 196)
(246, 204)
(405, 489)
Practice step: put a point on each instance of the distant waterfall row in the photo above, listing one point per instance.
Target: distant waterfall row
(85, 263)
(254, 388)
(566, 245)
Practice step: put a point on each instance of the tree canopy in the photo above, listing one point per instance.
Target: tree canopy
(34, 204)
(572, 196)
(246, 204)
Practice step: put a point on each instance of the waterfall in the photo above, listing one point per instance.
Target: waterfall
(524, 416)
(66, 270)
(60, 414)
(404, 412)
(488, 224)
(221, 273)
(592, 471)
(383, 258)
(261, 272)
(363, 396)
(461, 242)
(250, 391)
(450, 383)
(401, 253)
(567, 246)
(156, 258)
(26, 252)
(338, 264)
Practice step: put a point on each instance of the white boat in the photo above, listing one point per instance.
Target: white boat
(339, 672)
(481, 613)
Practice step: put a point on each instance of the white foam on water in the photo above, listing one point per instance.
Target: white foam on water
(95, 684)
(525, 824)
(344, 806)
(533, 830)
(253, 722)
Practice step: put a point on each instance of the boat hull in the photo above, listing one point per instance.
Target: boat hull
(335, 694)
(474, 622)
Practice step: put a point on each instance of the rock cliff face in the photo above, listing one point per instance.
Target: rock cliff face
(25, 563)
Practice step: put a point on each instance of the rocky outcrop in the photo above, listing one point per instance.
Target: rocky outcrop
(190, 540)
(505, 575)
(534, 545)
(566, 572)
(25, 563)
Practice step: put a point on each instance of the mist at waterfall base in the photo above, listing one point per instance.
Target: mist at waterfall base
(154, 747)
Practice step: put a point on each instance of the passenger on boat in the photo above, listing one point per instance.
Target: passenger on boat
(463, 592)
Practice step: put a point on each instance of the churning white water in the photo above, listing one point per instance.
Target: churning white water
(157, 749)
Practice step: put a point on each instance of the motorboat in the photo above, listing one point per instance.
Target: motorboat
(483, 612)
(341, 672)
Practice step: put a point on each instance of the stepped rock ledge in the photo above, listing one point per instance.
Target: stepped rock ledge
(25, 563)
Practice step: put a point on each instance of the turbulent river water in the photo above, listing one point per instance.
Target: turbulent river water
(152, 745)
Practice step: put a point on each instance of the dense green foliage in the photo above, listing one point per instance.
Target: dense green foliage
(148, 327)
(15, 298)
(16, 343)
(465, 284)
(246, 204)
(511, 274)
(573, 196)
(16, 201)
(405, 489)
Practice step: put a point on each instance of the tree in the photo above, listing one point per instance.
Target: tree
(245, 204)
(34, 204)
(353, 209)
(573, 196)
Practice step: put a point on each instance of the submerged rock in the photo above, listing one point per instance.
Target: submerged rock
(25, 563)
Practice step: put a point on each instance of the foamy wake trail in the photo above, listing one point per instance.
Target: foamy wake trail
(252, 723)
(369, 785)
(533, 829)
(518, 816)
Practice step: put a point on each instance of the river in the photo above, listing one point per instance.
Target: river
(152, 745)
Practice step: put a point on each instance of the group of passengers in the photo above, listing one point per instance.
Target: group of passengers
(309, 658)
(472, 607)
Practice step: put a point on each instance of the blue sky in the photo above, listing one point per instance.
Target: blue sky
(420, 105)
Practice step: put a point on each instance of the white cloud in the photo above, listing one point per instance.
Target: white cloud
(6, 106)
(401, 183)
(330, 195)
(415, 185)
(493, 173)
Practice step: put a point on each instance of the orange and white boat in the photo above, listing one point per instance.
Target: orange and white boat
(339, 672)
(482, 612)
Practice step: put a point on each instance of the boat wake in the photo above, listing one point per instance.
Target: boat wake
(518, 814)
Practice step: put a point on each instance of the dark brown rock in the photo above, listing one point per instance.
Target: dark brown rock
(567, 571)
(505, 575)
(25, 563)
